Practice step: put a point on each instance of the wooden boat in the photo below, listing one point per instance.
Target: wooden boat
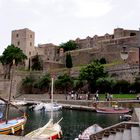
(8, 126)
(50, 131)
(12, 125)
(113, 110)
(89, 131)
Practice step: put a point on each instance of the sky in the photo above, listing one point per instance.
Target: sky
(58, 21)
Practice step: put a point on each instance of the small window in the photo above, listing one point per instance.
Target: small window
(30, 36)
(132, 34)
(30, 43)
(29, 53)
(17, 35)
(18, 43)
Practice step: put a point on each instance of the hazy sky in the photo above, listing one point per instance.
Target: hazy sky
(57, 21)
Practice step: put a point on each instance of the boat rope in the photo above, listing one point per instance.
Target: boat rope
(59, 135)
(22, 127)
(13, 130)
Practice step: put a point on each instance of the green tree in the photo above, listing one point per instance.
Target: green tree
(64, 83)
(11, 53)
(122, 86)
(102, 61)
(28, 84)
(78, 84)
(68, 46)
(105, 84)
(43, 82)
(36, 63)
(68, 62)
(92, 72)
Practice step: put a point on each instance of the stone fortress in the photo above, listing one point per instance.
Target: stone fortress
(108, 46)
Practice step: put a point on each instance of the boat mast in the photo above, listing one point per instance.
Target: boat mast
(9, 98)
(52, 100)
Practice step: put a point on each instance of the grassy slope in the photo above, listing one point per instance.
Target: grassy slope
(120, 96)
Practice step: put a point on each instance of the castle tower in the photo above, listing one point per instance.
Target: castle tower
(24, 39)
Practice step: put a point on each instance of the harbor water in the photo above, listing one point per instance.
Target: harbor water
(73, 123)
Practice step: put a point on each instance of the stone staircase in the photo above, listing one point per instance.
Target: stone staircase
(120, 131)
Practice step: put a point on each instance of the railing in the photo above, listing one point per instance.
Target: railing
(113, 129)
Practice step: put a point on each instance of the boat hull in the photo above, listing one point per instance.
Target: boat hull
(12, 126)
(89, 131)
(112, 111)
(47, 107)
(50, 132)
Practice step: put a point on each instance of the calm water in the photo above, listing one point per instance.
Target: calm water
(73, 121)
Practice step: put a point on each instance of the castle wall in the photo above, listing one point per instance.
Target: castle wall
(108, 46)
(24, 39)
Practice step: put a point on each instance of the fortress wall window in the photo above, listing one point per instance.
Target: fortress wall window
(30, 43)
(18, 43)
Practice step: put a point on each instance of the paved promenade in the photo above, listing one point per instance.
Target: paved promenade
(41, 97)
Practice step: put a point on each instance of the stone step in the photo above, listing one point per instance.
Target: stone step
(118, 136)
(126, 134)
(111, 137)
(135, 133)
(104, 138)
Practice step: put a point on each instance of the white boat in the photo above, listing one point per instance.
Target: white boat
(19, 103)
(2, 102)
(50, 131)
(126, 117)
(46, 106)
(89, 131)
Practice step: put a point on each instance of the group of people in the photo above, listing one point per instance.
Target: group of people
(96, 96)
(73, 95)
(109, 97)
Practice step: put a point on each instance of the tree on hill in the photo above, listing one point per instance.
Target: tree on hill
(11, 53)
(36, 63)
(68, 62)
(31, 84)
(91, 73)
(105, 84)
(28, 84)
(64, 83)
(68, 46)
(43, 82)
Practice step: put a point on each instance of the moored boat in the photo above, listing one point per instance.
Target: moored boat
(12, 125)
(89, 131)
(46, 107)
(19, 103)
(113, 110)
(126, 117)
(50, 131)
